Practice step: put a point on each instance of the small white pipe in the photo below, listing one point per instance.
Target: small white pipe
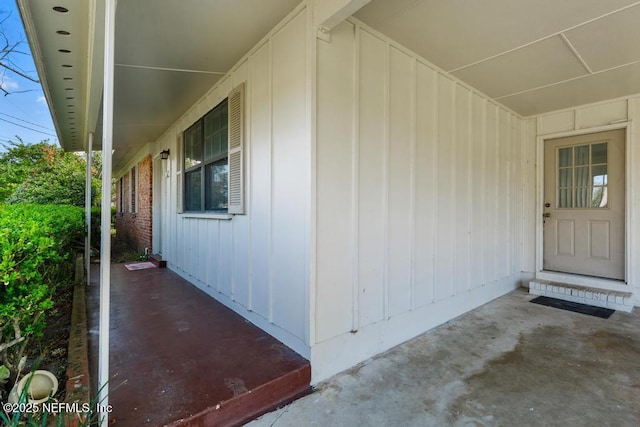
(105, 217)
(87, 204)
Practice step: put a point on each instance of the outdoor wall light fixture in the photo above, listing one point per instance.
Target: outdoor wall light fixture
(164, 154)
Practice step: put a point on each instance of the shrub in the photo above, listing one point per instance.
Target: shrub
(37, 248)
(45, 174)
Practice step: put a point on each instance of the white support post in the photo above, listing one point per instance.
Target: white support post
(87, 204)
(105, 215)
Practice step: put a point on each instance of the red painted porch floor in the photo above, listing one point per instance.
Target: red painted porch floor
(184, 358)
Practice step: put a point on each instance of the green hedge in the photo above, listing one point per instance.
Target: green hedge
(37, 252)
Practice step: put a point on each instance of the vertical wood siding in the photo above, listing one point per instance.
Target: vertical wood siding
(258, 263)
(418, 186)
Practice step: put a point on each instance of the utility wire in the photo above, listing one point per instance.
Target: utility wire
(26, 127)
(26, 121)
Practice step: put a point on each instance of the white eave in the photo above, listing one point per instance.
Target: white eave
(63, 46)
(167, 55)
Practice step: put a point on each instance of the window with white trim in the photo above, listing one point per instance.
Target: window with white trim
(212, 159)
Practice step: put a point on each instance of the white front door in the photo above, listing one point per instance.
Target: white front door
(584, 205)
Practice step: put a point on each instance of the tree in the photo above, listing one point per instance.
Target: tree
(20, 161)
(9, 51)
(45, 174)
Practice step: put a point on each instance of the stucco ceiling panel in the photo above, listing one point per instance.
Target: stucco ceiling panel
(193, 34)
(609, 42)
(151, 98)
(596, 87)
(536, 65)
(455, 33)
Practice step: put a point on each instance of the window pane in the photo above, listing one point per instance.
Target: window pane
(565, 157)
(224, 116)
(599, 197)
(216, 185)
(582, 155)
(208, 136)
(215, 125)
(193, 146)
(565, 200)
(599, 153)
(583, 198)
(566, 178)
(193, 190)
(216, 144)
(582, 176)
(599, 175)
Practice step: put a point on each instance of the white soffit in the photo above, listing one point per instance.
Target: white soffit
(507, 48)
(536, 65)
(610, 41)
(168, 54)
(59, 42)
(612, 84)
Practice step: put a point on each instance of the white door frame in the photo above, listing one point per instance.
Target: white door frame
(575, 279)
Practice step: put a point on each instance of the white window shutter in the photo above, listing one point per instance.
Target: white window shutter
(236, 147)
(179, 163)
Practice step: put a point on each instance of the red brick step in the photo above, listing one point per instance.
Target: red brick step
(158, 261)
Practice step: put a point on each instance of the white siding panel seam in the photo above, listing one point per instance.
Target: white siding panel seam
(484, 199)
(385, 181)
(454, 185)
(219, 253)
(248, 126)
(496, 186)
(271, 170)
(355, 184)
(412, 183)
(470, 177)
(232, 247)
(436, 195)
(311, 212)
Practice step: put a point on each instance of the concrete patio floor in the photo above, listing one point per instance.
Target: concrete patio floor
(187, 360)
(508, 363)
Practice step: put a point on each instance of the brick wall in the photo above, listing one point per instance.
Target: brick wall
(134, 208)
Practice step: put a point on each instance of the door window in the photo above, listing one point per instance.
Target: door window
(582, 176)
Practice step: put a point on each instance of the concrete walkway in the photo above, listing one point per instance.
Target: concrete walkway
(508, 363)
(187, 360)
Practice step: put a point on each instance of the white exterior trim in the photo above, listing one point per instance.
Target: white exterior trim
(574, 279)
(105, 245)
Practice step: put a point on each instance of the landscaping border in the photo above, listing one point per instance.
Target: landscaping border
(78, 386)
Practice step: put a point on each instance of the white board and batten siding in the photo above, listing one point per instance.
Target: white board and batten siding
(257, 263)
(419, 198)
(621, 112)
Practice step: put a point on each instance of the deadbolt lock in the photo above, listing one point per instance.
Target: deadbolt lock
(547, 205)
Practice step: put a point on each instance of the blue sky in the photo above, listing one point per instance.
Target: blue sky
(24, 114)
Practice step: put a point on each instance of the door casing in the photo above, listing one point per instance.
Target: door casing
(568, 278)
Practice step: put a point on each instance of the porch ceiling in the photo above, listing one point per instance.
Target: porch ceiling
(532, 56)
(168, 54)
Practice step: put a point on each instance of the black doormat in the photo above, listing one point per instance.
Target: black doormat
(576, 307)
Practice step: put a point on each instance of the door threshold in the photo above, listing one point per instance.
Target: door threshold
(615, 300)
(579, 280)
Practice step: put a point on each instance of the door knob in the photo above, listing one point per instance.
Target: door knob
(547, 215)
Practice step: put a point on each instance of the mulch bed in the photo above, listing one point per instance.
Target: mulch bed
(50, 351)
